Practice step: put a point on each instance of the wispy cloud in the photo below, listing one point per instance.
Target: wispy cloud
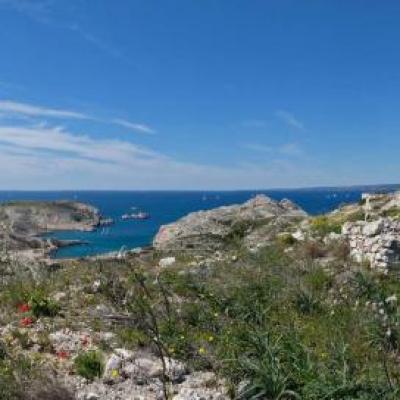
(16, 108)
(61, 142)
(42, 11)
(39, 10)
(45, 157)
(290, 119)
(96, 41)
(133, 126)
(13, 109)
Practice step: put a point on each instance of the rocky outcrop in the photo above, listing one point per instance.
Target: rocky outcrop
(22, 223)
(209, 230)
(377, 242)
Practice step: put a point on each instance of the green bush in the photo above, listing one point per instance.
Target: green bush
(90, 365)
(42, 306)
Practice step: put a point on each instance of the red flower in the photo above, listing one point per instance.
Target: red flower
(63, 355)
(23, 308)
(27, 321)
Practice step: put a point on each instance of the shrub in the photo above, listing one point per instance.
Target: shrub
(324, 225)
(393, 212)
(286, 239)
(90, 365)
(42, 306)
(306, 302)
(132, 338)
(268, 377)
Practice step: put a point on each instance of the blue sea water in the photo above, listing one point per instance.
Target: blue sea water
(165, 207)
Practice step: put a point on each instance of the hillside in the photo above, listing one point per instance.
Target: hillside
(278, 305)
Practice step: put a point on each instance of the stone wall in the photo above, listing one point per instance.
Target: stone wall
(377, 242)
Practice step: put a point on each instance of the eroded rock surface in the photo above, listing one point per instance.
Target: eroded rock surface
(209, 230)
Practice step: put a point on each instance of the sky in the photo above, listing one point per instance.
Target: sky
(198, 94)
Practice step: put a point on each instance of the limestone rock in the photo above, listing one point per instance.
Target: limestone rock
(207, 230)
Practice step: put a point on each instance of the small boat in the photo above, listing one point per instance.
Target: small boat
(139, 215)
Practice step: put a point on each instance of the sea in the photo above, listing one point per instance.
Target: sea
(168, 206)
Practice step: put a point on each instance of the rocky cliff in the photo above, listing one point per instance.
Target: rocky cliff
(22, 223)
(211, 229)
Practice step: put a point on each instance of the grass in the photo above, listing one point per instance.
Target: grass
(89, 365)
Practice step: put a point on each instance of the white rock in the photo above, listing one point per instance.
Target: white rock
(167, 262)
(373, 228)
(91, 396)
(114, 363)
(124, 354)
(298, 235)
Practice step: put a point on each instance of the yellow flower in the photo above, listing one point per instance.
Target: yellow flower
(210, 338)
(114, 373)
(202, 350)
(216, 315)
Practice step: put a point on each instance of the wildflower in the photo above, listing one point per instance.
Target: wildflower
(381, 311)
(23, 308)
(216, 315)
(182, 337)
(27, 321)
(115, 373)
(210, 338)
(202, 350)
(389, 332)
(63, 355)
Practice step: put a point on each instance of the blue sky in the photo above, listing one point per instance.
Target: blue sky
(198, 94)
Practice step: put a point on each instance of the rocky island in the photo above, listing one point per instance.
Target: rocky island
(251, 301)
(23, 224)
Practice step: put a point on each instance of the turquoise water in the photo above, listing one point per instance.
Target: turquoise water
(165, 207)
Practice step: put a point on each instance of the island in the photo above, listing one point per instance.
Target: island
(23, 225)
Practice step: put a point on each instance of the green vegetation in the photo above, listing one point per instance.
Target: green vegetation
(276, 324)
(90, 365)
(323, 225)
(393, 212)
(42, 306)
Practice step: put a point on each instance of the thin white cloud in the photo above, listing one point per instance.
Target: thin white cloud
(45, 157)
(16, 108)
(13, 109)
(290, 119)
(43, 12)
(62, 143)
(134, 126)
